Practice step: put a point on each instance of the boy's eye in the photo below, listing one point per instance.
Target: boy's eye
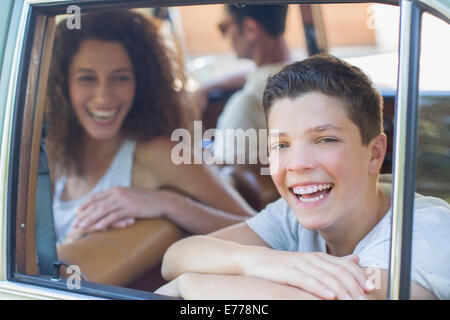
(327, 140)
(279, 146)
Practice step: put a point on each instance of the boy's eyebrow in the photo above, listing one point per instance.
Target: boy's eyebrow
(324, 127)
(276, 133)
(320, 128)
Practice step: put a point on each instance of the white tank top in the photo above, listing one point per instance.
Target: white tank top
(118, 174)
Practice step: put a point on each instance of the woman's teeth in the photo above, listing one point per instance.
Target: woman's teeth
(101, 115)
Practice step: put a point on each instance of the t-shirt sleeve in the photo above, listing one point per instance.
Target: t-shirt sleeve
(276, 225)
(430, 265)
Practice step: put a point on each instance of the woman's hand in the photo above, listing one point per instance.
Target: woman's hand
(119, 207)
(320, 274)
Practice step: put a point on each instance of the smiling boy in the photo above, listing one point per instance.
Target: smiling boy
(332, 223)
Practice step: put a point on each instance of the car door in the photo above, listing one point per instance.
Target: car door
(25, 41)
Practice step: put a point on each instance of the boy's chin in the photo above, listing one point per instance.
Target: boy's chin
(315, 222)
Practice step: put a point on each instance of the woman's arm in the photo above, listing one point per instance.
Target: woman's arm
(200, 182)
(194, 216)
(202, 204)
(120, 206)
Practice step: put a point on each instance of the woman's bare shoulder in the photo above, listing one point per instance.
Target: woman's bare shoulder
(155, 153)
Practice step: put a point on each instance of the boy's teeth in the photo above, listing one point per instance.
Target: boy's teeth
(311, 189)
(312, 199)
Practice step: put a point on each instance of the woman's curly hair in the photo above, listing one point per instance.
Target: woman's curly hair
(156, 109)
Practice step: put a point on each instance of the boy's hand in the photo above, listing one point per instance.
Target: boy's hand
(321, 274)
(170, 289)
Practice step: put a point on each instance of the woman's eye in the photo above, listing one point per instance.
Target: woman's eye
(86, 79)
(123, 78)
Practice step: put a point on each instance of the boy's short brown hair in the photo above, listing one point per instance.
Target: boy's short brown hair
(334, 77)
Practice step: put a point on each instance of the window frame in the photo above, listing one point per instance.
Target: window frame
(26, 97)
(406, 143)
(25, 109)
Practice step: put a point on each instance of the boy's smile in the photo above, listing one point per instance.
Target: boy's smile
(311, 193)
(319, 164)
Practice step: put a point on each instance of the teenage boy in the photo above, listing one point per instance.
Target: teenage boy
(328, 237)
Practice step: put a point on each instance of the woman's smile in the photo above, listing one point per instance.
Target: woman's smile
(103, 116)
(102, 87)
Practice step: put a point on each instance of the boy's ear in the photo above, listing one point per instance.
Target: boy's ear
(378, 151)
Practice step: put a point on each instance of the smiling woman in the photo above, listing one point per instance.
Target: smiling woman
(111, 109)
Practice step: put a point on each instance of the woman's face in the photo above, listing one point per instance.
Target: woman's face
(318, 163)
(101, 87)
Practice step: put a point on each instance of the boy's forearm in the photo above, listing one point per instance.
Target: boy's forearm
(203, 254)
(194, 286)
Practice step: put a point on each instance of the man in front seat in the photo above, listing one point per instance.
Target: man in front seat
(256, 33)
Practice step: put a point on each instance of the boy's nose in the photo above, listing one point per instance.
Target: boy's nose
(301, 159)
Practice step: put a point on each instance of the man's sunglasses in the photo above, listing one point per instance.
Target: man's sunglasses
(223, 27)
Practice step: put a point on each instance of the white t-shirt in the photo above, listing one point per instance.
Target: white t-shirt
(278, 226)
(119, 174)
(244, 110)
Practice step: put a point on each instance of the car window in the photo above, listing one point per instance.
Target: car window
(433, 170)
(103, 258)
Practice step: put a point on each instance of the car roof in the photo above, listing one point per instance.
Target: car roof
(439, 7)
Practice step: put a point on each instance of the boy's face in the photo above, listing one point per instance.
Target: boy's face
(319, 164)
